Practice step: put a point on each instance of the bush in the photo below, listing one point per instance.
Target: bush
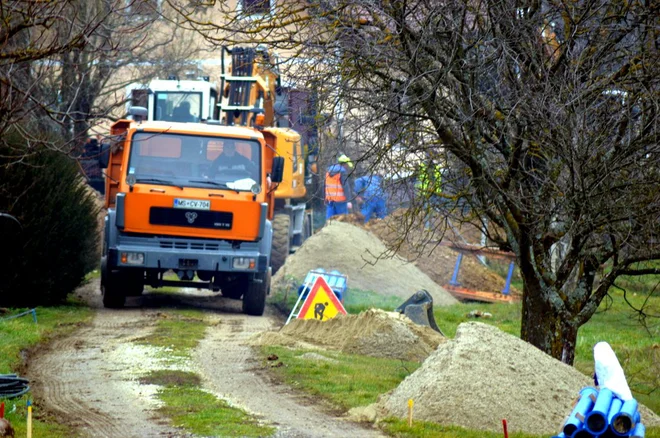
(58, 243)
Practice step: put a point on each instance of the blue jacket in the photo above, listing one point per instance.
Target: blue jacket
(369, 187)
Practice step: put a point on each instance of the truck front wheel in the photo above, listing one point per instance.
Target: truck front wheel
(111, 287)
(254, 298)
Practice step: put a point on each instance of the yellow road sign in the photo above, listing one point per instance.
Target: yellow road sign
(321, 302)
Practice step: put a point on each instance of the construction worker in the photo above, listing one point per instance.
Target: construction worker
(337, 189)
(429, 188)
(369, 191)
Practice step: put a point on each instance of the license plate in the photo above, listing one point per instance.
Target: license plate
(188, 263)
(192, 204)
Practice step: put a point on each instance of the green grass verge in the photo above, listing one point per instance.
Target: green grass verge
(346, 380)
(21, 334)
(179, 332)
(184, 402)
(355, 300)
(420, 429)
(199, 412)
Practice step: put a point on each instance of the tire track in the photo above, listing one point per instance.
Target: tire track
(85, 384)
(231, 370)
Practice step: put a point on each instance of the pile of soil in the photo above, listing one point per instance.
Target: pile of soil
(364, 259)
(429, 253)
(373, 332)
(484, 375)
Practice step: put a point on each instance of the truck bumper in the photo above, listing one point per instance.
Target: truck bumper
(170, 252)
(177, 253)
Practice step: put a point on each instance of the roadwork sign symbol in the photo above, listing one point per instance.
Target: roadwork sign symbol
(321, 302)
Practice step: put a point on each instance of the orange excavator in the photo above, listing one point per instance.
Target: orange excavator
(214, 201)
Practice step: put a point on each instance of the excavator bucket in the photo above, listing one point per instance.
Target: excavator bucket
(419, 308)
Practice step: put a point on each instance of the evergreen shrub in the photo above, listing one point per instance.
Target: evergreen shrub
(58, 244)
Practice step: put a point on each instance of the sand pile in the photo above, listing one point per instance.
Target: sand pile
(484, 375)
(373, 332)
(437, 261)
(362, 257)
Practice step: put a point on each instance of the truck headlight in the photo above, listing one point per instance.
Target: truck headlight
(244, 263)
(132, 258)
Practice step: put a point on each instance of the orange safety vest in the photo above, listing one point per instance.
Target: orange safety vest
(334, 191)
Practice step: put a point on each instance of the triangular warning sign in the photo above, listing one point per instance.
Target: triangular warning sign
(321, 302)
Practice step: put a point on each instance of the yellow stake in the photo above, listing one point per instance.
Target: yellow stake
(29, 422)
(410, 406)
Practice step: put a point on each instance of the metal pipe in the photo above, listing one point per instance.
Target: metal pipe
(584, 404)
(596, 420)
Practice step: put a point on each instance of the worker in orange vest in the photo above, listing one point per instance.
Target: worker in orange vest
(337, 188)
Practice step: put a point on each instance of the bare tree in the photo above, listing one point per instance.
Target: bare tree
(64, 63)
(544, 114)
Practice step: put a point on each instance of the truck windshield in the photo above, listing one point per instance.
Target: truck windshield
(178, 106)
(195, 161)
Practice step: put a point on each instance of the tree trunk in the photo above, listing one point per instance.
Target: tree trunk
(545, 329)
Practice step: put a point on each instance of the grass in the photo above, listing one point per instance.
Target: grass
(179, 332)
(346, 380)
(637, 347)
(184, 402)
(199, 412)
(355, 300)
(20, 334)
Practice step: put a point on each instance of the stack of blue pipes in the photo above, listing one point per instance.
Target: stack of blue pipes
(602, 414)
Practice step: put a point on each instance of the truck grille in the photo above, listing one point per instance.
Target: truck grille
(170, 244)
(218, 220)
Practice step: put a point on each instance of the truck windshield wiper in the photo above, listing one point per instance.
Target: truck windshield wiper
(213, 183)
(158, 181)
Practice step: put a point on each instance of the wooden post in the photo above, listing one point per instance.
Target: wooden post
(29, 420)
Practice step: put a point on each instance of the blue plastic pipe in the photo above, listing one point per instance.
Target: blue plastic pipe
(583, 433)
(615, 407)
(624, 421)
(560, 435)
(596, 420)
(582, 407)
(639, 431)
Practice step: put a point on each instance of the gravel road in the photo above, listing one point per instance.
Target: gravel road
(89, 379)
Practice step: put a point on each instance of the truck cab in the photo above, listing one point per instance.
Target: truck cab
(191, 199)
(174, 100)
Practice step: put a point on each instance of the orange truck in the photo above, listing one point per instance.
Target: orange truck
(177, 202)
(215, 197)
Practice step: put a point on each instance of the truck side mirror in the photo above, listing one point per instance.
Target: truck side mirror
(278, 170)
(104, 156)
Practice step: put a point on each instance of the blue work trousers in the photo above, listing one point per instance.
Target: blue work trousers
(334, 208)
(374, 206)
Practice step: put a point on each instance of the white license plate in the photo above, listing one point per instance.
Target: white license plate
(192, 204)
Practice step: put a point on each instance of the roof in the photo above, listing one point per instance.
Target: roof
(198, 128)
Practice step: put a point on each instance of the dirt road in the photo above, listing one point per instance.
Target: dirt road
(89, 379)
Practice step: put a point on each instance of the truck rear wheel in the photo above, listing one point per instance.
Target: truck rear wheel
(254, 298)
(281, 242)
